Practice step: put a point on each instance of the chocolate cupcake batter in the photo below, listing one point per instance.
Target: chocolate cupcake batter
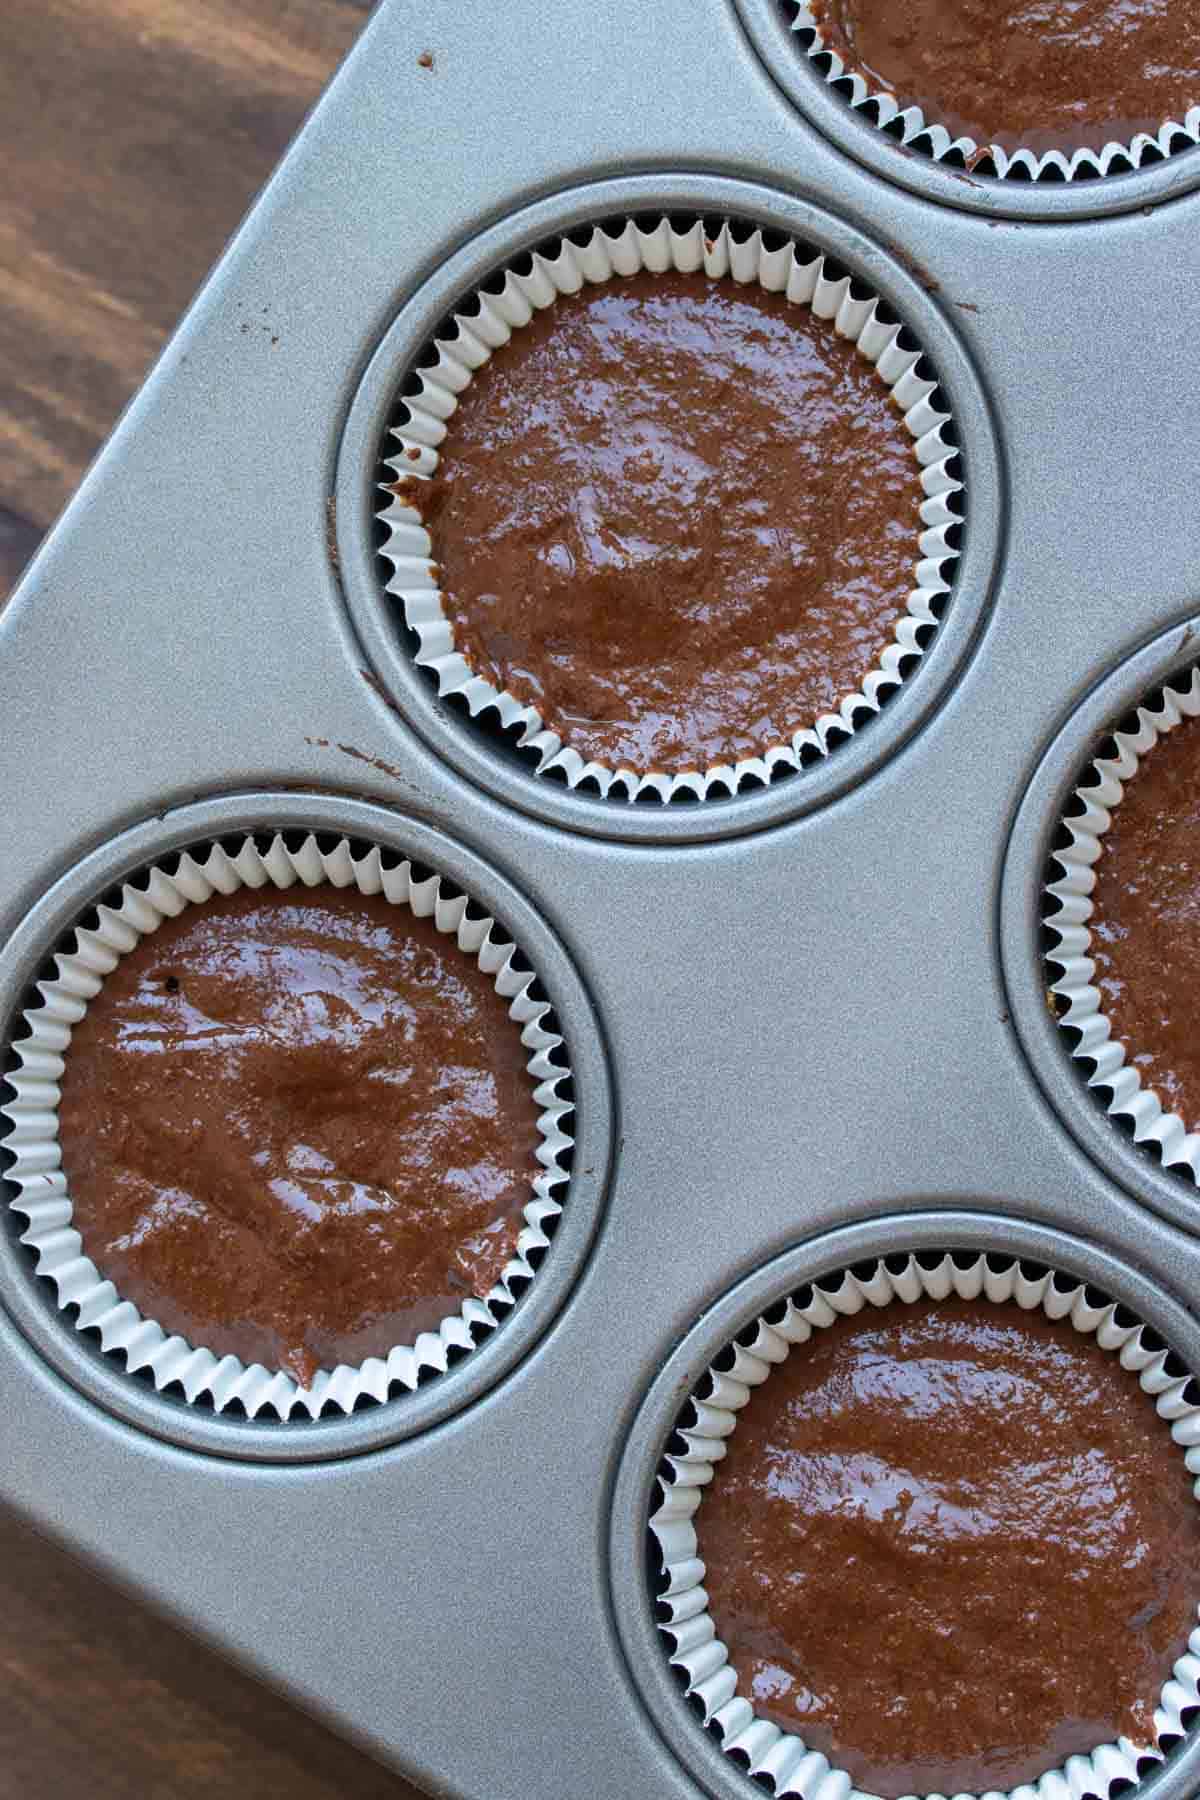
(951, 1545)
(1145, 927)
(677, 516)
(297, 1127)
(1047, 74)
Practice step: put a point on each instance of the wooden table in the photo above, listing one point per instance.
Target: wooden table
(133, 134)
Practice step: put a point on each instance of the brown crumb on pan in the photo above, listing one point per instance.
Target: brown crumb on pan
(331, 532)
(425, 60)
(372, 762)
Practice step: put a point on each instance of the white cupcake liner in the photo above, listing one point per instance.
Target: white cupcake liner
(622, 249)
(43, 1199)
(921, 133)
(696, 1650)
(1082, 1003)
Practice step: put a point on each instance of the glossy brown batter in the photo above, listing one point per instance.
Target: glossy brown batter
(1145, 927)
(678, 516)
(297, 1127)
(951, 1545)
(1047, 74)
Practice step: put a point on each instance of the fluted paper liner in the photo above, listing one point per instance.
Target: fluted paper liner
(43, 1199)
(622, 249)
(1069, 913)
(911, 126)
(695, 1648)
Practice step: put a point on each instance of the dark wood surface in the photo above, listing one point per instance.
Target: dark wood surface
(133, 134)
(100, 1701)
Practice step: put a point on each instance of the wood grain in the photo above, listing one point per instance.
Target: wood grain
(103, 1702)
(134, 133)
(19, 538)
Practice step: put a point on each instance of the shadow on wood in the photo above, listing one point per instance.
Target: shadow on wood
(103, 1700)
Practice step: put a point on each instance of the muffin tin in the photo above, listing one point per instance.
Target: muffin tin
(807, 1025)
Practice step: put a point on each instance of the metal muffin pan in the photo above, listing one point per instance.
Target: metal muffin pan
(814, 1016)
(377, 615)
(198, 1427)
(992, 1235)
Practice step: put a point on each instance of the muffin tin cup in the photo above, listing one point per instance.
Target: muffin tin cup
(1068, 914)
(624, 247)
(915, 130)
(695, 1651)
(42, 1048)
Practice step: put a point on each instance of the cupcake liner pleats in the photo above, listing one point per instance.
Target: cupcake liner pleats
(1069, 909)
(689, 1633)
(42, 1200)
(624, 248)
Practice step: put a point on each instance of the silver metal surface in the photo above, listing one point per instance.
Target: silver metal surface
(807, 1025)
(31, 1302)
